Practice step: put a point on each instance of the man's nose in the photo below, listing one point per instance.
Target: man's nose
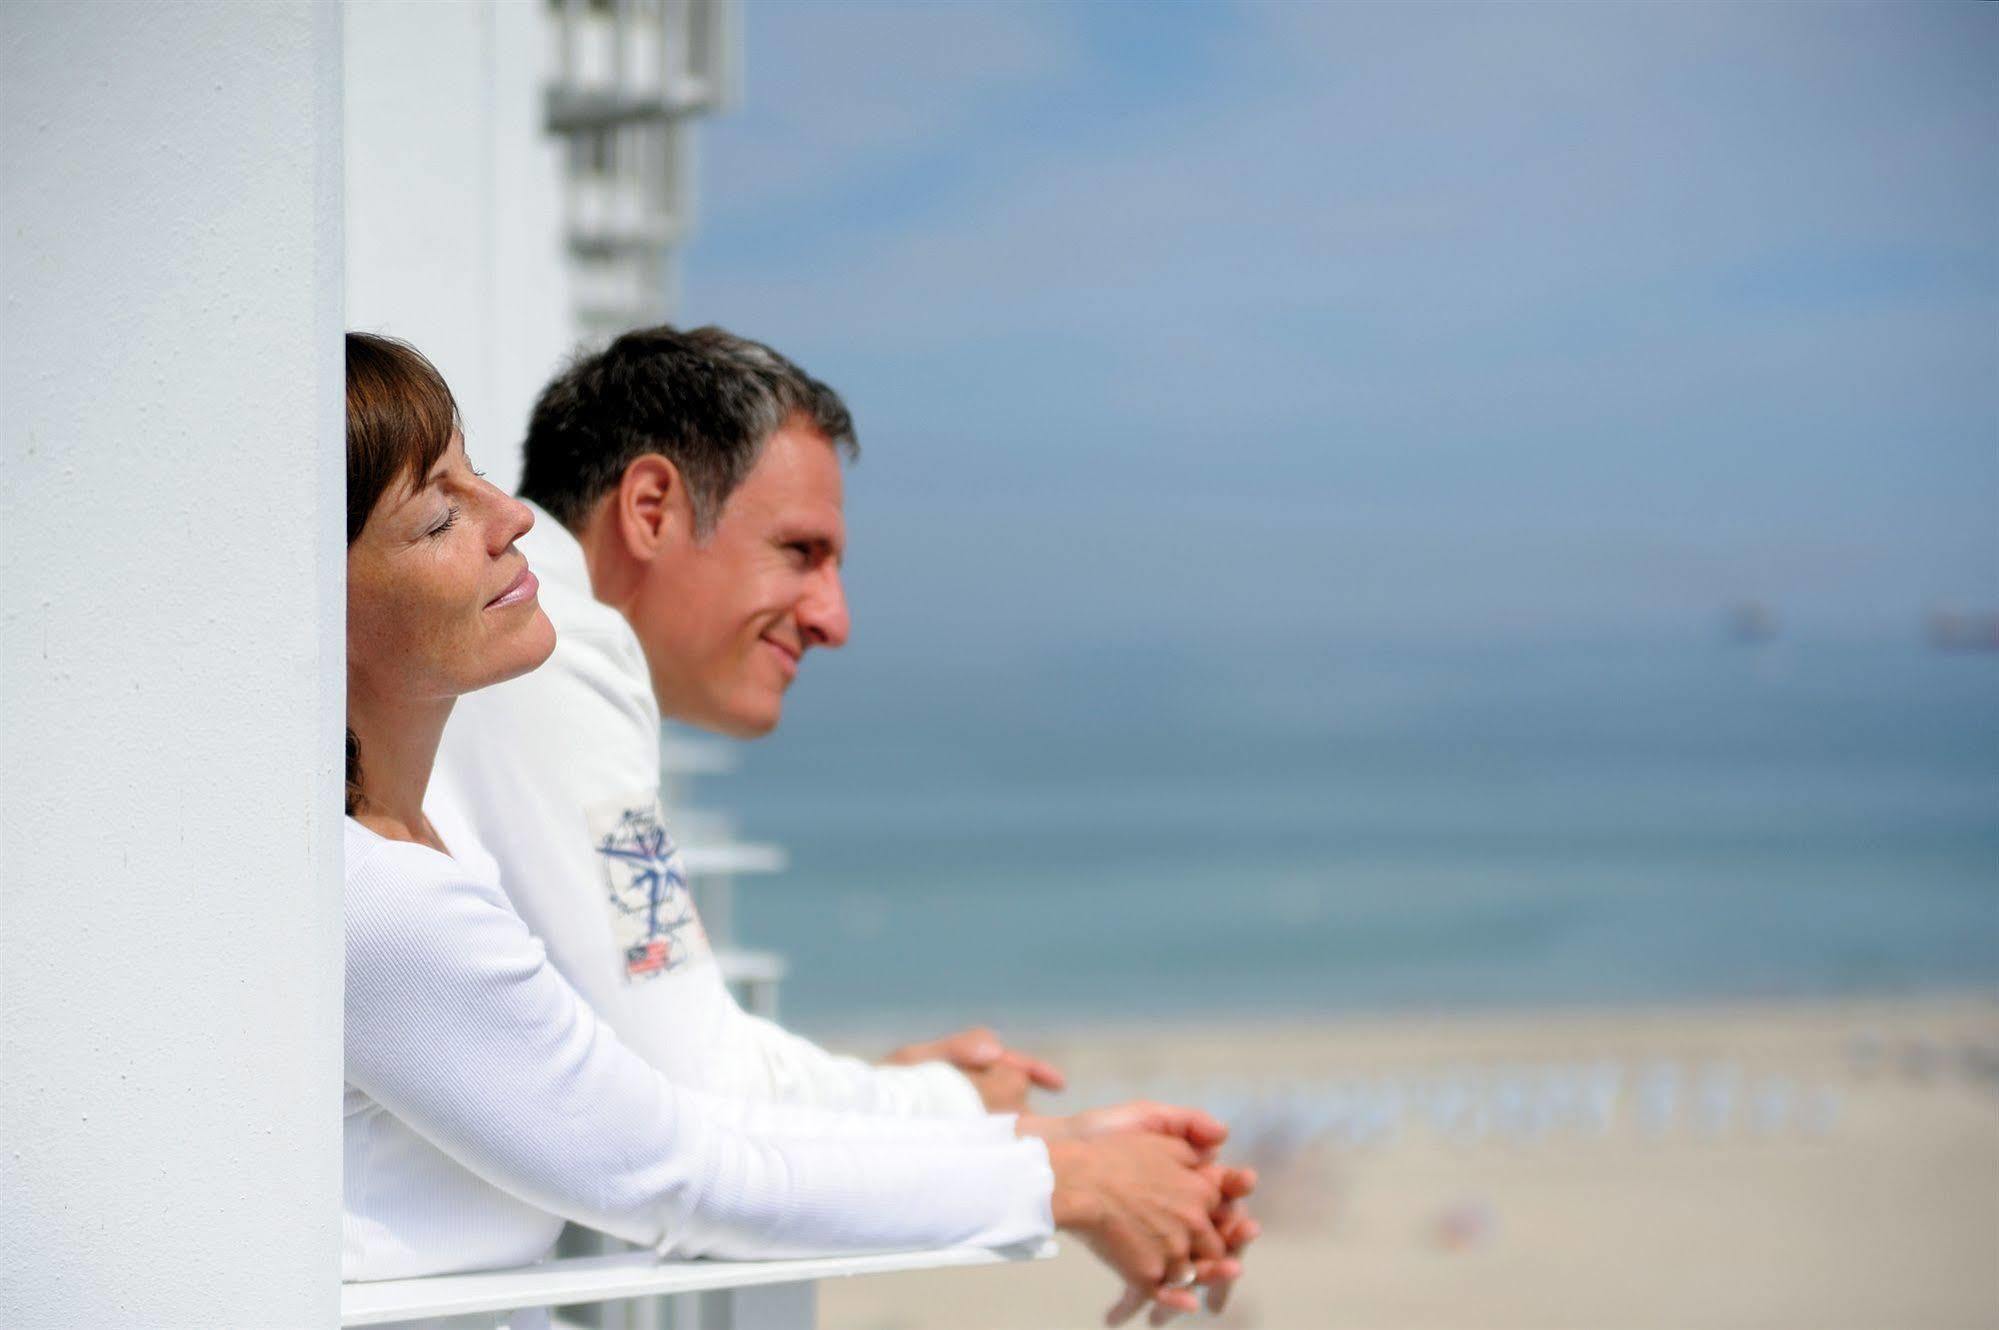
(822, 615)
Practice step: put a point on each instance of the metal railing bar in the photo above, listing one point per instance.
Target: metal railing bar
(632, 1275)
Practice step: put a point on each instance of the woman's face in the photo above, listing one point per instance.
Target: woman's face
(439, 602)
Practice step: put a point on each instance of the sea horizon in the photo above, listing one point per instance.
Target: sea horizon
(1126, 836)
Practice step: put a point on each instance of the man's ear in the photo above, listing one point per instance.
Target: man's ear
(652, 506)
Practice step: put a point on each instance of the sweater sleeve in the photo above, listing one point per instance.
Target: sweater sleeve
(457, 1025)
(766, 1061)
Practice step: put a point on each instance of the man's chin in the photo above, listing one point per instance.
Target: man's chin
(751, 729)
(744, 722)
(750, 714)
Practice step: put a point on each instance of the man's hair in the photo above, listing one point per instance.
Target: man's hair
(704, 399)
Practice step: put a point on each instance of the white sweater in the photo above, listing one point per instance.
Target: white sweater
(556, 775)
(486, 1103)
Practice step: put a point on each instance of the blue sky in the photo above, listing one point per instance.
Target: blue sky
(1169, 325)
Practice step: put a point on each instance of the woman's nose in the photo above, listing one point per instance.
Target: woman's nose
(512, 520)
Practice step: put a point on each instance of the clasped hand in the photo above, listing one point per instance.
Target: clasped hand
(1139, 1183)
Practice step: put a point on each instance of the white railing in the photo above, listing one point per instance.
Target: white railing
(755, 976)
(742, 1295)
(714, 859)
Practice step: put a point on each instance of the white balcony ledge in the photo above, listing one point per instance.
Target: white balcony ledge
(632, 1275)
(732, 858)
(740, 966)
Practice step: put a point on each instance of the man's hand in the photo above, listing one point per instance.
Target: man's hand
(1001, 1075)
(1144, 1203)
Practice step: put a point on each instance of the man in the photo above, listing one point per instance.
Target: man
(704, 563)
(688, 541)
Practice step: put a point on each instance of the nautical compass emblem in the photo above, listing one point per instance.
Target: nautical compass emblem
(652, 914)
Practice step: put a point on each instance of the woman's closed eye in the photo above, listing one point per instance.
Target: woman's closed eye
(444, 524)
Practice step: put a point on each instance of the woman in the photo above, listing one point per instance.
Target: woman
(485, 1104)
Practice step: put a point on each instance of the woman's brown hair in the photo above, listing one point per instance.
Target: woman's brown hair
(400, 419)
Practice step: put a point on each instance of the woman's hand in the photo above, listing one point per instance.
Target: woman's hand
(1145, 1204)
(1238, 1230)
(1203, 1135)
(1191, 1125)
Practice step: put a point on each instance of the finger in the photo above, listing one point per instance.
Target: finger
(1160, 1315)
(1204, 1243)
(1238, 1232)
(1044, 1074)
(1004, 1079)
(1217, 1272)
(1219, 1277)
(1238, 1182)
(1229, 1211)
(981, 1043)
(973, 1050)
(1170, 1300)
(1202, 1133)
(1201, 1130)
(1127, 1306)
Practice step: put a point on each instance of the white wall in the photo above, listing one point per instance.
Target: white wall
(172, 539)
(454, 204)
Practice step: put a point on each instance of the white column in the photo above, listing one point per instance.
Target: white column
(454, 205)
(171, 597)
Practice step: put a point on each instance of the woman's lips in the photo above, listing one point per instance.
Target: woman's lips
(522, 588)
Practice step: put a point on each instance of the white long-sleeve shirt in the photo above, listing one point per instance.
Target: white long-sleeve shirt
(486, 1103)
(556, 775)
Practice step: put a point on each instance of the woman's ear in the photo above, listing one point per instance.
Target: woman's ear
(652, 506)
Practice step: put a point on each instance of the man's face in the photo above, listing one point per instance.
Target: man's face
(724, 621)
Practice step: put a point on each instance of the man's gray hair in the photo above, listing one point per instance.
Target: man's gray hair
(705, 399)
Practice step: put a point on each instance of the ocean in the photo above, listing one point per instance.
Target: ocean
(1125, 834)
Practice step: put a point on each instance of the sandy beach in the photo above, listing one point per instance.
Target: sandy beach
(1818, 1166)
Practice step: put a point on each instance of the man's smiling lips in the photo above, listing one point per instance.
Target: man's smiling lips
(785, 654)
